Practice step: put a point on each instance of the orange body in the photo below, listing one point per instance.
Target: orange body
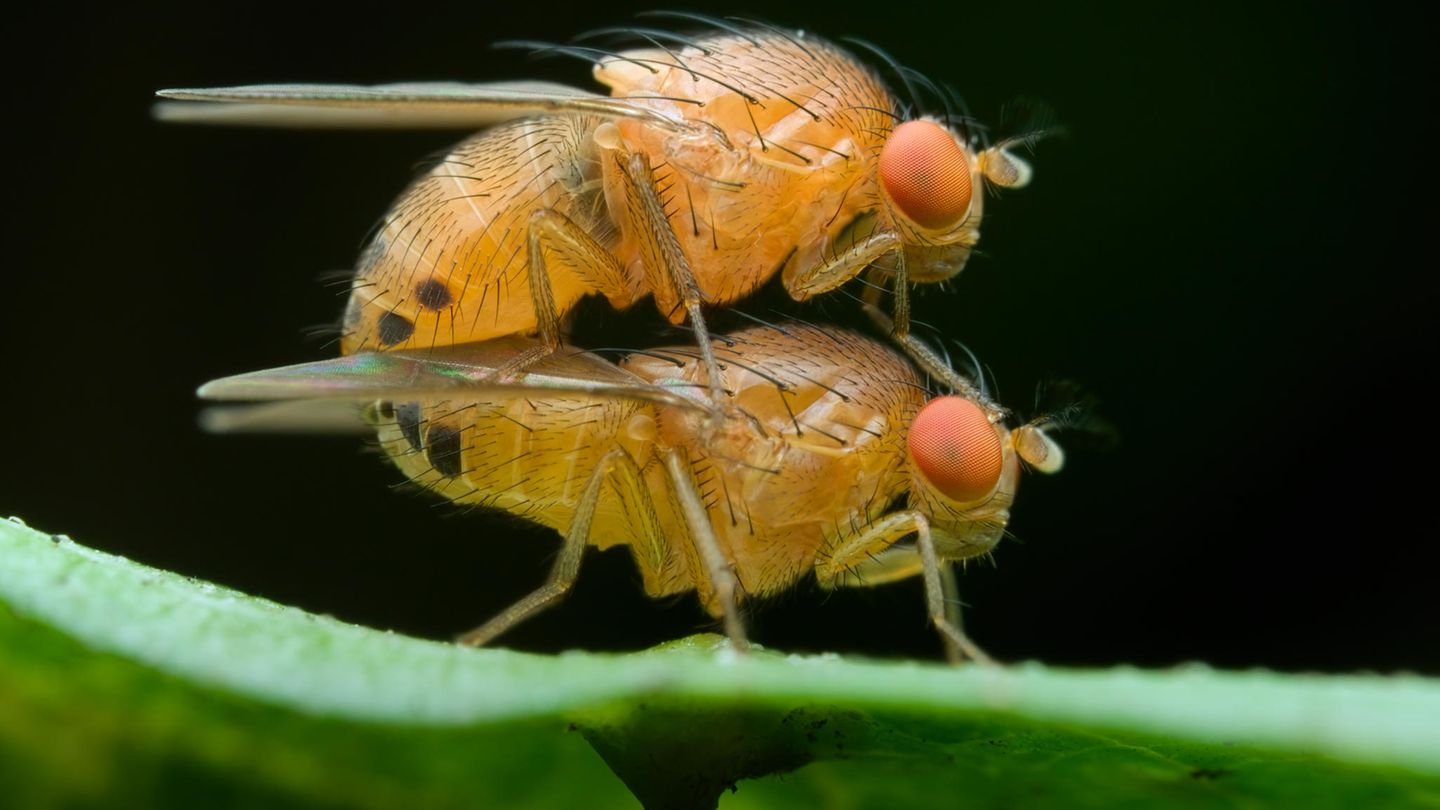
(449, 263)
(815, 452)
(787, 166)
(772, 156)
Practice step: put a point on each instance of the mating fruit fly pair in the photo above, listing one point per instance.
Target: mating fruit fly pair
(733, 466)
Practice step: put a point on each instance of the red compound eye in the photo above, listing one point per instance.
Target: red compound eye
(926, 174)
(956, 448)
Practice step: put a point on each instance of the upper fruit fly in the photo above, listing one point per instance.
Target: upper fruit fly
(717, 161)
(830, 453)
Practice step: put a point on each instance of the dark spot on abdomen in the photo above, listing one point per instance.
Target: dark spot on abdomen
(407, 416)
(395, 329)
(432, 294)
(378, 413)
(442, 448)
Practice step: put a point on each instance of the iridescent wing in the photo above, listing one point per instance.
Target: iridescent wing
(461, 371)
(312, 416)
(414, 105)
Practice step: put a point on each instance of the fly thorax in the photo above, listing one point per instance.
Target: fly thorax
(738, 439)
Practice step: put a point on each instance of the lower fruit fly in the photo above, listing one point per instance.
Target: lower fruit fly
(718, 161)
(830, 455)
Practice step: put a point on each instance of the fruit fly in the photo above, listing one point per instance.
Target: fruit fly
(830, 454)
(717, 161)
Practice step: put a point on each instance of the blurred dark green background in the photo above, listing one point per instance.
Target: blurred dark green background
(1225, 248)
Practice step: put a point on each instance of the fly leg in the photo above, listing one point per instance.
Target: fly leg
(879, 536)
(945, 613)
(920, 352)
(880, 568)
(840, 268)
(579, 253)
(567, 565)
(951, 589)
(716, 577)
(844, 266)
(896, 563)
(666, 269)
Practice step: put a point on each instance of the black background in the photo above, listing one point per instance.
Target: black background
(1229, 248)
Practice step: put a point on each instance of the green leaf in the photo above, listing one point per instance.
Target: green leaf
(123, 685)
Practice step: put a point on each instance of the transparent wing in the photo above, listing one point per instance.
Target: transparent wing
(467, 370)
(415, 105)
(332, 416)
